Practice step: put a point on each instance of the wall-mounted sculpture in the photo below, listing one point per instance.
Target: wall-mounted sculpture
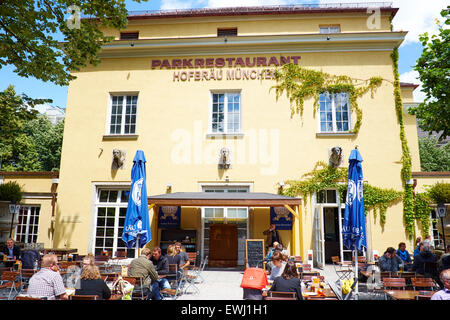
(118, 161)
(224, 158)
(335, 159)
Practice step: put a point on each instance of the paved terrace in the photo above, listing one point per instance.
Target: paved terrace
(224, 284)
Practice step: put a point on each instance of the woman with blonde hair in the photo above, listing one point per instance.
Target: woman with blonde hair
(172, 255)
(92, 284)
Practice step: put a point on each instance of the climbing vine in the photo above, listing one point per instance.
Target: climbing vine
(408, 199)
(422, 209)
(324, 177)
(301, 83)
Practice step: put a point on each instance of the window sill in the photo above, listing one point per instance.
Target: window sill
(335, 134)
(120, 137)
(224, 135)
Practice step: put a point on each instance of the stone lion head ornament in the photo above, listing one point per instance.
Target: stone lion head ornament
(118, 159)
(335, 157)
(224, 158)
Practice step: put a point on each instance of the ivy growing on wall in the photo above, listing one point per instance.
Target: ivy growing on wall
(408, 199)
(324, 177)
(301, 83)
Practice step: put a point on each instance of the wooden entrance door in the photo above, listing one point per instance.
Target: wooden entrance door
(223, 245)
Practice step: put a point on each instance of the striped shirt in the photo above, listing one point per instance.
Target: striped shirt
(46, 283)
(441, 295)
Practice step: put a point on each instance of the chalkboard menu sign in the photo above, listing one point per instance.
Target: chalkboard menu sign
(254, 252)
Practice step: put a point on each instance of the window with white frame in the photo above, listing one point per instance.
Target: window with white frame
(111, 209)
(123, 112)
(330, 29)
(226, 112)
(28, 226)
(334, 112)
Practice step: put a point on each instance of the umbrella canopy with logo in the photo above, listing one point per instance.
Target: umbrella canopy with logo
(354, 224)
(136, 229)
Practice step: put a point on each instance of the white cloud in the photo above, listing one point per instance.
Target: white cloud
(413, 77)
(414, 16)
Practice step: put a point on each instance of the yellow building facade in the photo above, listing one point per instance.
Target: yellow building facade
(184, 86)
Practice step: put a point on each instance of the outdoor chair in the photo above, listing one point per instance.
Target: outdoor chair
(64, 265)
(343, 270)
(192, 258)
(177, 289)
(422, 283)
(306, 267)
(278, 295)
(192, 276)
(28, 298)
(396, 283)
(138, 291)
(25, 275)
(10, 283)
(121, 254)
(83, 297)
(309, 278)
(308, 275)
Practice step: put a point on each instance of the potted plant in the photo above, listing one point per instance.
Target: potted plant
(11, 192)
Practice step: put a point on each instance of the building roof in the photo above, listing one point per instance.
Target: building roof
(204, 199)
(356, 7)
(408, 84)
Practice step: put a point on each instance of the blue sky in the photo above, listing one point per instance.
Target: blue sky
(414, 16)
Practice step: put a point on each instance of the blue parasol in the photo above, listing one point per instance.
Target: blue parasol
(136, 229)
(354, 224)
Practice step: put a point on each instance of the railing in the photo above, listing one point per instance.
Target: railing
(269, 8)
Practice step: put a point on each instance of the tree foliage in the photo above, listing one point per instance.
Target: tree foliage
(30, 32)
(434, 71)
(28, 141)
(432, 156)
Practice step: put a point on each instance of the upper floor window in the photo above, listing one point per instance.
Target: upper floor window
(226, 112)
(129, 35)
(334, 112)
(123, 114)
(330, 29)
(226, 32)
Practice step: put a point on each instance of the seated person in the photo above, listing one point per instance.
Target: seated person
(92, 284)
(289, 281)
(389, 261)
(143, 267)
(443, 294)
(278, 265)
(183, 255)
(425, 256)
(29, 258)
(11, 251)
(173, 258)
(403, 253)
(48, 282)
(444, 261)
(172, 255)
(162, 267)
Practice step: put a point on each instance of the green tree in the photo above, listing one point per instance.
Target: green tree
(31, 31)
(47, 139)
(433, 157)
(15, 148)
(434, 71)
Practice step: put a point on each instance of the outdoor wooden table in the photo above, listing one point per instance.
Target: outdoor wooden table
(405, 294)
(328, 293)
(60, 252)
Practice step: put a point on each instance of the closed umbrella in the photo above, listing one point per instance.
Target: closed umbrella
(354, 224)
(136, 229)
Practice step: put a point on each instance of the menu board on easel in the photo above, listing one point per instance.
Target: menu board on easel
(254, 253)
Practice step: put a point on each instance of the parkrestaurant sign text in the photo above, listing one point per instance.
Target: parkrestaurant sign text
(238, 68)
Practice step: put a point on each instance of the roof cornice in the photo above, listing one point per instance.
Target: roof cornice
(359, 41)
